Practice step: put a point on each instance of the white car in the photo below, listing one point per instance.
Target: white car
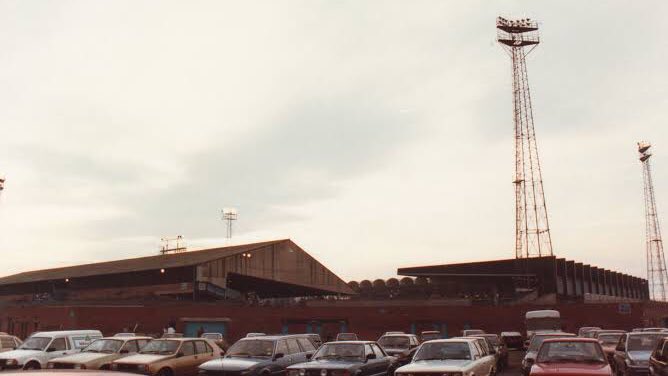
(41, 347)
(462, 356)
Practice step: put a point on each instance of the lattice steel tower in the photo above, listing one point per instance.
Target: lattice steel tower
(532, 230)
(656, 263)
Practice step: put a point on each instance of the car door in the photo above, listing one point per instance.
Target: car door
(296, 353)
(384, 361)
(57, 348)
(307, 346)
(204, 352)
(479, 366)
(286, 360)
(186, 363)
(373, 366)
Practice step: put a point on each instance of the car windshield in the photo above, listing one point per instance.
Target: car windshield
(538, 339)
(570, 352)
(340, 351)
(252, 348)
(35, 343)
(394, 342)
(609, 339)
(108, 346)
(643, 342)
(443, 351)
(161, 347)
(346, 337)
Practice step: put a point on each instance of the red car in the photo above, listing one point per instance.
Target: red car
(571, 357)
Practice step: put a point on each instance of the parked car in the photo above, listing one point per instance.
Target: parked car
(360, 358)
(658, 361)
(429, 335)
(633, 352)
(534, 345)
(456, 356)
(100, 353)
(347, 337)
(499, 347)
(513, 340)
(168, 357)
(8, 343)
(571, 356)
(402, 346)
(39, 348)
(609, 340)
(472, 332)
(217, 338)
(262, 355)
(585, 329)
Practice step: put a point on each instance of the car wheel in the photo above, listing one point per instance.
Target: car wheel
(165, 372)
(32, 365)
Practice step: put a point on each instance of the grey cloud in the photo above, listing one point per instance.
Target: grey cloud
(299, 158)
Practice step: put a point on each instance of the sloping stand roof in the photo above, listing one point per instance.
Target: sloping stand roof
(150, 263)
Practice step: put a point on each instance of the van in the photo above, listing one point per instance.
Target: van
(40, 347)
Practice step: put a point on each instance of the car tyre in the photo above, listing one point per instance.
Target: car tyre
(165, 372)
(32, 365)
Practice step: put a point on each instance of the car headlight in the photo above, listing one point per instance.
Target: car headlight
(12, 362)
(50, 365)
(293, 372)
(114, 366)
(79, 366)
(302, 372)
(142, 368)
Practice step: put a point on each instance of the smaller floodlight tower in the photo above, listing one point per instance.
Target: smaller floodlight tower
(229, 215)
(656, 263)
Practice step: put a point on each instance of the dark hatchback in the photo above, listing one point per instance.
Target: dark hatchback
(267, 355)
(401, 346)
(347, 358)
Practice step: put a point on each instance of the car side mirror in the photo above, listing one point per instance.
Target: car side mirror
(278, 356)
(51, 349)
(124, 351)
(620, 347)
(179, 354)
(222, 353)
(370, 356)
(309, 356)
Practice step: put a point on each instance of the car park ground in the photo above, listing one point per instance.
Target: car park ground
(514, 363)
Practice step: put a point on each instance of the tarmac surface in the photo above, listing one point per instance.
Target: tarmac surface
(514, 363)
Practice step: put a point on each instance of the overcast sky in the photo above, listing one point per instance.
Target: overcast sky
(375, 134)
